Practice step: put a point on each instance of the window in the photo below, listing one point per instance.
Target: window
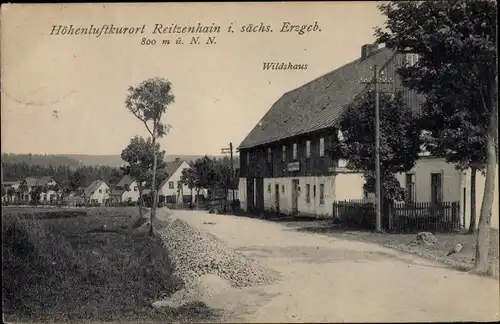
(269, 155)
(308, 149)
(107, 190)
(410, 187)
(100, 190)
(295, 151)
(321, 194)
(282, 188)
(322, 147)
(248, 158)
(171, 185)
(308, 193)
(269, 188)
(314, 191)
(135, 188)
(411, 59)
(436, 188)
(179, 184)
(284, 153)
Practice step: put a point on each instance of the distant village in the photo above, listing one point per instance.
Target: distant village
(46, 191)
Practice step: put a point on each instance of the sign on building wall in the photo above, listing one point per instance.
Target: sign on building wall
(293, 166)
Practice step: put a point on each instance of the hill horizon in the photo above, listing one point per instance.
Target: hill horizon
(76, 160)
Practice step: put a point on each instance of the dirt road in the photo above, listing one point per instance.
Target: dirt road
(332, 280)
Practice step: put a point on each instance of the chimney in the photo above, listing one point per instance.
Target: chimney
(177, 159)
(367, 50)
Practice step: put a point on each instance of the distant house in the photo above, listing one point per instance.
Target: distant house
(172, 190)
(47, 183)
(433, 180)
(11, 191)
(126, 189)
(97, 192)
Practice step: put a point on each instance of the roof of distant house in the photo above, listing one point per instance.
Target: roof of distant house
(89, 191)
(171, 167)
(126, 180)
(117, 192)
(318, 104)
(11, 183)
(38, 181)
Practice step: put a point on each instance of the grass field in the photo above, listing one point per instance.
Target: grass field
(65, 266)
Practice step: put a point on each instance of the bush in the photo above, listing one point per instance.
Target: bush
(236, 205)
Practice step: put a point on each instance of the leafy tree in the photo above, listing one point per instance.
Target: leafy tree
(22, 190)
(76, 181)
(457, 71)
(11, 192)
(36, 193)
(399, 141)
(148, 102)
(223, 179)
(188, 177)
(140, 158)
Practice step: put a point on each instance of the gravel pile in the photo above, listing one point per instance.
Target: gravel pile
(195, 253)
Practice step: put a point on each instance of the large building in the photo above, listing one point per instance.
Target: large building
(285, 164)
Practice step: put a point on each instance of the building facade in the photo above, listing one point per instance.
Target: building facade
(433, 180)
(173, 190)
(286, 164)
(97, 192)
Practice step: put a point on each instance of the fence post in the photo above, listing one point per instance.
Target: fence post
(454, 213)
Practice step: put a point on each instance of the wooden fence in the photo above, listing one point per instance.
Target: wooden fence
(399, 216)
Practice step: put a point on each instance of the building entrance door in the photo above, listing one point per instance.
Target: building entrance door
(277, 198)
(295, 196)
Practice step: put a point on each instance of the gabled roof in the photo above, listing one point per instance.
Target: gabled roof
(89, 191)
(38, 181)
(42, 181)
(318, 104)
(31, 181)
(117, 192)
(171, 167)
(126, 180)
(11, 183)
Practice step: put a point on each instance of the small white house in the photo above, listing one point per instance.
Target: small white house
(97, 192)
(126, 189)
(173, 190)
(434, 180)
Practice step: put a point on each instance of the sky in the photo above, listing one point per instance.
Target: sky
(65, 94)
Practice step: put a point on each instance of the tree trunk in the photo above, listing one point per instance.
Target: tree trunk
(472, 226)
(141, 203)
(483, 236)
(191, 204)
(153, 185)
(196, 200)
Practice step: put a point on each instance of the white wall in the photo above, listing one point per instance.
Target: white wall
(454, 183)
(132, 193)
(166, 191)
(101, 196)
(176, 177)
(340, 187)
(480, 180)
(423, 169)
(242, 193)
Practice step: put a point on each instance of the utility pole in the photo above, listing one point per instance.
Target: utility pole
(230, 151)
(376, 81)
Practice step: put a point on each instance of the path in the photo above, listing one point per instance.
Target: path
(332, 280)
